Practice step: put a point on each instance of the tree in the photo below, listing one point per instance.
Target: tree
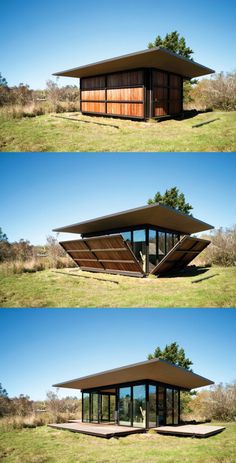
(3, 82)
(4, 246)
(5, 403)
(172, 198)
(174, 354)
(3, 392)
(3, 236)
(173, 42)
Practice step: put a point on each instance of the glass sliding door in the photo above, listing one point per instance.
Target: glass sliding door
(113, 408)
(152, 239)
(104, 407)
(139, 247)
(86, 407)
(94, 407)
(152, 422)
(125, 406)
(139, 406)
(176, 406)
(161, 246)
(169, 242)
(175, 238)
(169, 406)
(161, 406)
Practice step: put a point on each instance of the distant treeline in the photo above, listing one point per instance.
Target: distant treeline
(21, 256)
(215, 93)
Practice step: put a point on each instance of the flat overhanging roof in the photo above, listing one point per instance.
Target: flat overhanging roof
(159, 58)
(154, 215)
(153, 370)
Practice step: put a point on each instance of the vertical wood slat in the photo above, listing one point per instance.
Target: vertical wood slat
(167, 93)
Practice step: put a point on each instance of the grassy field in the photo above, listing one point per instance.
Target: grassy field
(213, 288)
(45, 445)
(55, 133)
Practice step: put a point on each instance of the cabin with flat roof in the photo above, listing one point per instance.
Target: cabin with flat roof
(142, 395)
(153, 239)
(142, 85)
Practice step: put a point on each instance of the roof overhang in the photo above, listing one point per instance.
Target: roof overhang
(158, 57)
(153, 370)
(154, 215)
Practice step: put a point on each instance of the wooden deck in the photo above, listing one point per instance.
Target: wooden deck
(191, 430)
(98, 430)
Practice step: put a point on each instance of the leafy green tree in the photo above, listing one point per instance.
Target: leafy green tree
(173, 42)
(3, 82)
(172, 198)
(174, 354)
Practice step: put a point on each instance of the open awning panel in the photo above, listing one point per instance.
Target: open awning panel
(107, 254)
(180, 255)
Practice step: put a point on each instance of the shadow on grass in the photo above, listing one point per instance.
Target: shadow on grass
(68, 118)
(187, 114)
(190, 271)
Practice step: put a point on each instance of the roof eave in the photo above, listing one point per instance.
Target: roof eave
(68, 228)
(70, 383)
(200, 69)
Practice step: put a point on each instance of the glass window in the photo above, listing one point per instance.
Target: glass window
(175, 238)
(152, 248)
(126, 236)
(94, 407)
(169, 406)
(152, 406)
(161, 245)
(139, 247)
(112, 407)
(176, 406)
(169, 243)
(125, 406)
(161, 406)
(86, 406)
(104, 407)
(139, 406)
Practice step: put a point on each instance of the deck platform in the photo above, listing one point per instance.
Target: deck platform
(99, 430)
(191, 430)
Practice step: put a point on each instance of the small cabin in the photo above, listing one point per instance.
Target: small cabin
(142, 395)
(142, 85)
(154, 239)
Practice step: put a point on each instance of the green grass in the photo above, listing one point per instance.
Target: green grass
(50, 133)
(214, 288)
(45, 445)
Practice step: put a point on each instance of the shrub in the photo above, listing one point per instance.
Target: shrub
(218, 403)
(221, 251)
(218, 93)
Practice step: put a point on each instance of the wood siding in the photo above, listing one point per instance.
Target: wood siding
(123, 94)
(167, 93)
(110, 254)
(120, 94)
(180, 255)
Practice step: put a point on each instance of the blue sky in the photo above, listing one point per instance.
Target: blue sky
(42, 37)
(40, 192)
(42, 347)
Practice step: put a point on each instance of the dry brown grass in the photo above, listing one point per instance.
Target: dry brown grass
(34, 420)
(36, 108)
(35, 265)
